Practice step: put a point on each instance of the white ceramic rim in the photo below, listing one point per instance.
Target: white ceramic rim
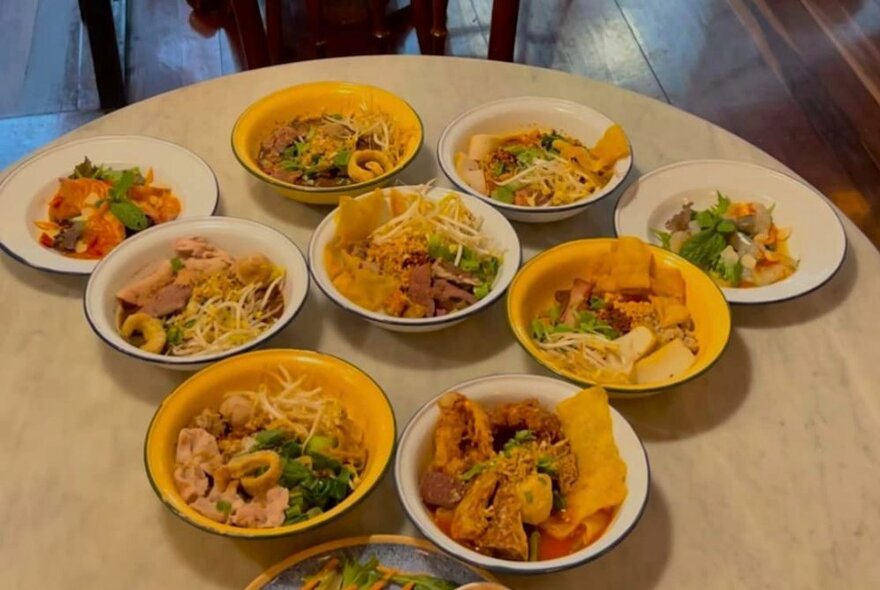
(73, 266)
(502, 280)
(92, 300)
(635, 502)
(630, 224)
(450, 172)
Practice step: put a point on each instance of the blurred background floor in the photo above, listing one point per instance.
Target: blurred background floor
(798, 78)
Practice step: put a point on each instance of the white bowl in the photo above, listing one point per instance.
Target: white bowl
(239, 237)
(817, 238)
(26, 192)
(511, 114)
(415, 448)
(494, 224)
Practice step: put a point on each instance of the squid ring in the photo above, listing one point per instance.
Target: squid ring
(148, 327)
(241, 465)
(368, 164)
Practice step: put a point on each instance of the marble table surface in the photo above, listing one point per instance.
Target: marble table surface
(766, 470)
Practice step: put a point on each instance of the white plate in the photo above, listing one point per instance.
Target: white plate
(26, 192)
(817, 239)
(416, 446)
(494, 225)
(512, 114)
(239, 237)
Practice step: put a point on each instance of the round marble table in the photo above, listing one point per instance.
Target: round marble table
(765, 470)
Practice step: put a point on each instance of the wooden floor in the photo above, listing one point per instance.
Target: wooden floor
(798, 78)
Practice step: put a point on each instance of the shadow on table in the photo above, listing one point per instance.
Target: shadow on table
(637, 563)
(379, 513)
(803, 309)
(139, 379)
(697, 406)
(49, 283)
(475, 339)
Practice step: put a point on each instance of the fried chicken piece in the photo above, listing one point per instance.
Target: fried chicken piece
(505, 536)
(463, 436)
(470, 519)
(527, 415)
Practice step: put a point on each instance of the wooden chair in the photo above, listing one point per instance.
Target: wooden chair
(502, 30)
(262, 43)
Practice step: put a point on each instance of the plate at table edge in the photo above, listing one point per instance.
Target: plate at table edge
(818, 261)
(411, 546)
(21, 243)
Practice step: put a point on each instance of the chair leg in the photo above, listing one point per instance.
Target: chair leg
(251, 33)
(502, 30)
(273, 30)
(316, 27)
(97, 15)
(421, 18)
(381, 32)
(438, 27)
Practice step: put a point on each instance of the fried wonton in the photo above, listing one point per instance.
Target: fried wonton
(629, 268)
(362, 286)
(601, 483)
(357, 218)
(611, 147)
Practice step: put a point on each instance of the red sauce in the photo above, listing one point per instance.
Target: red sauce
(550, 548)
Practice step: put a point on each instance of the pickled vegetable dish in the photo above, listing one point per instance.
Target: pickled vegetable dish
(97, 207)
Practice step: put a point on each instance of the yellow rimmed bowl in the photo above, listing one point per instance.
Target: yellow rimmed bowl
(361, 396)
(532, 291)
(313, 100)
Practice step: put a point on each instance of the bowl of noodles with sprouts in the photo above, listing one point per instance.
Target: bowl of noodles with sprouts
(270, 443)
(196, 291)
(318, 141)
(535, 159)
(414, 258)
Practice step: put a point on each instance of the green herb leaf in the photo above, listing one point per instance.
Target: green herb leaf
(174, 335)
(342, 158)
(176, 265)
(84, 169)
(482, 290)
(520, 437)
(269, 439)
(475, 470)
(502, 193)
(120, 188)
(498, 168)
(722, 205)
(665, 238)
(547, 141)
(223, 506)
(725, 226)
(559, 502)
(130, 215)
(596, 303)
(703, 248)
(545, 465)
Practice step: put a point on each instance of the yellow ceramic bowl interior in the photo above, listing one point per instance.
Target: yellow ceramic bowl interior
(362, 397)
(534, 286)
(313, 100)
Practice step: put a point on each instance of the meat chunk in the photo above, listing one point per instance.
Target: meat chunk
(419, 290)
(448, 294)
(191, 481)
(237, 410)
(139, 291)
(470, 519)
(169, 299)
(505, 536)
(450, 272)
(263, 512)
(439, 489)
(578, 295)
(527, 415)
(197, 446)
(206, 507)
(463, 435)
(564, 466)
